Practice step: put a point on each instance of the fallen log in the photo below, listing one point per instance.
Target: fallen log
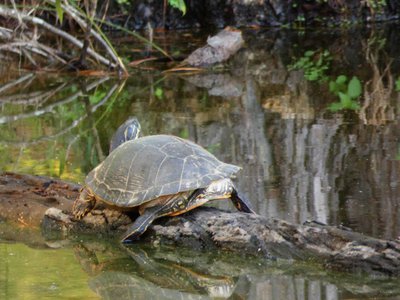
(33, 201)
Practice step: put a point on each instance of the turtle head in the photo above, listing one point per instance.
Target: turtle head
(128, 131)
(132, 129)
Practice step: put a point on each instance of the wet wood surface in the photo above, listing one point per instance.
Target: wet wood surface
(34, 201)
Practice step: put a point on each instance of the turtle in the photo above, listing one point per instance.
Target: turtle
(160, 175)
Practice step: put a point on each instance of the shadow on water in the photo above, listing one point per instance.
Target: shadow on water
(311, 142)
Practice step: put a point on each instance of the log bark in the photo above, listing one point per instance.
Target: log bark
(46, 202)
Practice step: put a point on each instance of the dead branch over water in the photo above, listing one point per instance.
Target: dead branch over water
(26, 41)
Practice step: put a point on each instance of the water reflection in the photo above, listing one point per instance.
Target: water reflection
(300, 160)
(91, 268)
(152, 279)
(146, 272)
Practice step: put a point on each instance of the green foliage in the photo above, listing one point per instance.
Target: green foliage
(376, 5)
(213, 148)
(339, 85)
(314, 64)
(397, 83)
(59, 10)
(348, 93)
(184, 133)
(179, 4)
(97, 97)
(159, 93)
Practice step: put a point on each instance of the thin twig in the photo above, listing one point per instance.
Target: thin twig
(75, 14)
(37, 21)
(15, 82)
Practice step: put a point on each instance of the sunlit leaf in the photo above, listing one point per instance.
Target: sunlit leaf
(59, 10)
(158, 93)
(179, 4)
(341, 79)
(354, 88)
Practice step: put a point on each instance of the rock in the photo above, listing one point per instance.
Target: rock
(219, 48)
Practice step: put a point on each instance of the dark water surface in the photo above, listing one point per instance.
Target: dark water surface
(309, 151)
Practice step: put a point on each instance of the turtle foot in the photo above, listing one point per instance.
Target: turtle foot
(82, 207)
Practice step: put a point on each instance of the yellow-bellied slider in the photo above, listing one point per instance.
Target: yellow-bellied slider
(161, 175)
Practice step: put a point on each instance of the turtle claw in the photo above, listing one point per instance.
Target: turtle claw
(79, 212)
(83, 204)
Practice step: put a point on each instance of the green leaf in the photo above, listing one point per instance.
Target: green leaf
(309, 53)
(344, 99)
(59, 10)
(354, 88)
(313, 76)
(97, 97)
(341, 79)
(333, 87)
(336, 106)
(184, 133)
(158, 93)
(179, 4)
(354, 105)
(397, 82)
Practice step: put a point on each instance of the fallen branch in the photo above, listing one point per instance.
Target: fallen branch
(6, 12)
(28, 198)
(74, 13)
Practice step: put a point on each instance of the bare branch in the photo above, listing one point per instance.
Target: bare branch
(75, 14)
(6, 12)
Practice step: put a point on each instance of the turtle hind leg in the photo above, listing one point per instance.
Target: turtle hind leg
(83, 204)
(168, 206)
(138, 227)
(241, 203)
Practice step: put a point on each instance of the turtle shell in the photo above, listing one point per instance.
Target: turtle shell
(143, 169)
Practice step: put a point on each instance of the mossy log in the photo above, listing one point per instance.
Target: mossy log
(42, 201)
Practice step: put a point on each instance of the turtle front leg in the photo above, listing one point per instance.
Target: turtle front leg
(84, 203)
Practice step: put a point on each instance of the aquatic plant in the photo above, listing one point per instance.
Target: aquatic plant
(314, 64)
(347, 91)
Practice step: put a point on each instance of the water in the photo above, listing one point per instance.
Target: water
(302, 158)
